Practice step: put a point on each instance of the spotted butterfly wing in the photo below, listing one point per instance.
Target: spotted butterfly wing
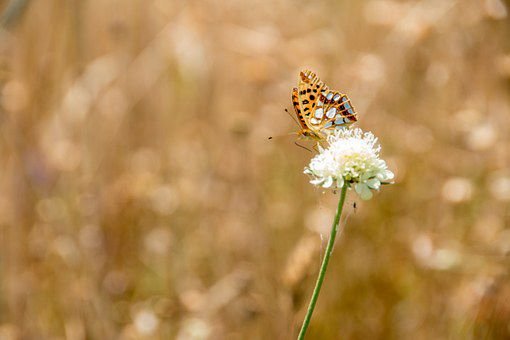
(297, 108)
(319, 109)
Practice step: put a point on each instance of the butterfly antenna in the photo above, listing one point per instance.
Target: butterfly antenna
(293, 117)
(301, 146)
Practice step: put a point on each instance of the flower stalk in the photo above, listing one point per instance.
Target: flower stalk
(350, 161)
(324, 265)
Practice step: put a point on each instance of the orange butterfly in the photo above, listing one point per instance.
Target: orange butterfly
(320, 110)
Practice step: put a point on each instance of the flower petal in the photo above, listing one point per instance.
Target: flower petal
(386, 175)
(328, 182)
(374, 183)
(359, 187)
(363, 191)
(340, 182)
(317, 182)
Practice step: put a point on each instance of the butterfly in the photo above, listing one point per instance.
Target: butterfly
(320, 111)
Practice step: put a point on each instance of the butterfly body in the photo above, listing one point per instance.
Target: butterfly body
(320, 110)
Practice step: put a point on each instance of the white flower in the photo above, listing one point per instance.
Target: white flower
(351, 159)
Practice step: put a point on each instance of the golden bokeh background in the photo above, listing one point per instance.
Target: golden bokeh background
(140, 197)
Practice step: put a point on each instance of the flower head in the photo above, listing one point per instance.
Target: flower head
(352, 158)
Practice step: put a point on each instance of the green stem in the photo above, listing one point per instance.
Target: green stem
(324, 265)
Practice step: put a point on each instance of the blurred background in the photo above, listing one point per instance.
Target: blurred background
(140, 197)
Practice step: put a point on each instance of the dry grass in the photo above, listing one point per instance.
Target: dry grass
(141, 199)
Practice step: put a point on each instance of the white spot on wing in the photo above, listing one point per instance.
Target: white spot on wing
(319, 113)
(314, 121)
(336, 97)
(330, 95)
(331, 112)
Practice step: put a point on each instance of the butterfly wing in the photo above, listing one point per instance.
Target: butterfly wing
(299, 114)
(334, 110)
(322, 109)
(308, 91)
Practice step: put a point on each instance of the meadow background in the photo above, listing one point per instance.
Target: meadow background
(140, 197)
